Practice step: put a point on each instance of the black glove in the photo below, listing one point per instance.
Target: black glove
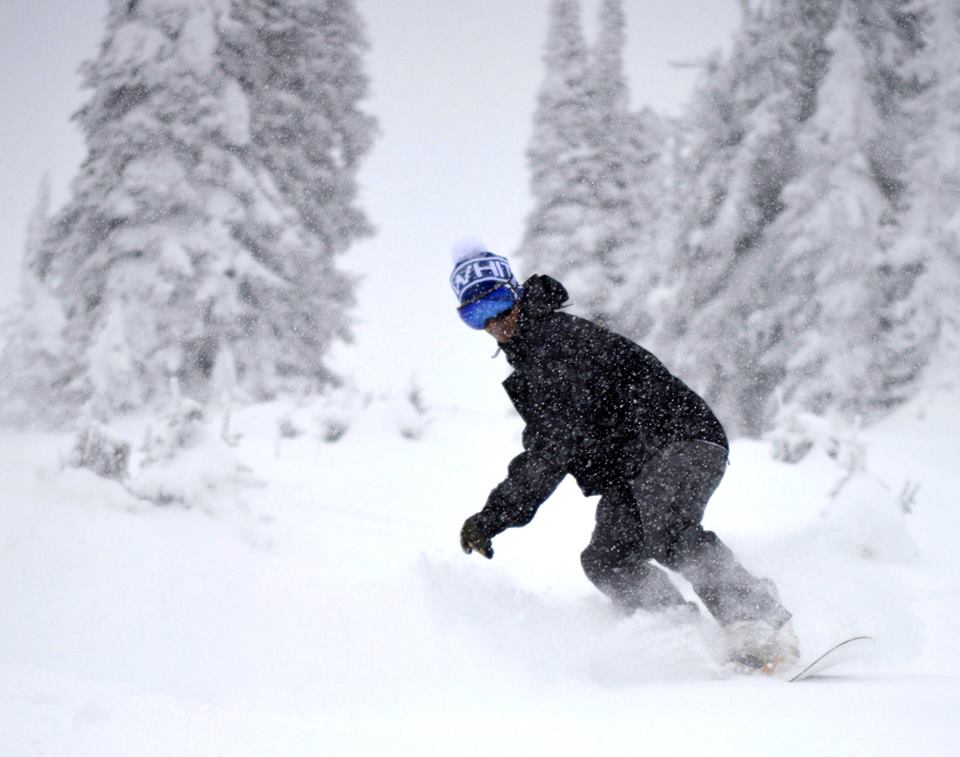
(473, 538)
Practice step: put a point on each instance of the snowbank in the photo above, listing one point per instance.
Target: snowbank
(328, 609)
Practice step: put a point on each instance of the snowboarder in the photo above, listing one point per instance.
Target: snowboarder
(600, 407)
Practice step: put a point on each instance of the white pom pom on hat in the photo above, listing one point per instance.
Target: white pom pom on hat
(467, 247)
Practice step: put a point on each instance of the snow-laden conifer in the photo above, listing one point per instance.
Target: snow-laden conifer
(189, 245)
(587, 156)
(557, 239)
(741, 153)
(924, 279)
(30, 364)
(300, 64)
(830, 240)
(613, 213)
(652, 147)
(871, 334)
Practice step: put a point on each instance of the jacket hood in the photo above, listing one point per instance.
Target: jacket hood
(541, 296)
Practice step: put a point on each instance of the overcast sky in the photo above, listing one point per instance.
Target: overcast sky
(453, 84)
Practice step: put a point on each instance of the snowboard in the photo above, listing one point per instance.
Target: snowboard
(835, 655)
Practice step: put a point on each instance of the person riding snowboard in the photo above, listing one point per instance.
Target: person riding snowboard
(605, 410)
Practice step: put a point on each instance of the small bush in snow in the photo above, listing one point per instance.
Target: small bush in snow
(188, 463)
(287, 428)
(349, 409)
(183, 429)
(340, 410)
(332, 431)
(105, 456)
(413, 415)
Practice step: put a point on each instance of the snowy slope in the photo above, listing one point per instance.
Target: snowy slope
(322, 605)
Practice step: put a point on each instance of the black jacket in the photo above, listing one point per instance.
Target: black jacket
(595, 404)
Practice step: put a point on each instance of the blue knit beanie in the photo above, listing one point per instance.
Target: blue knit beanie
(477, 271)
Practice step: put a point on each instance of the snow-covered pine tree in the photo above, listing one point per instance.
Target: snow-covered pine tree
(925, 322)
(36, 230)
(894, 35)
(768, 295)
(652, 144)
(179, 247)
(876, 356)
(300, 64)
(741, 154)
(154, 254)
(621, 155)
(33, 338)
(585, 226)
(558, 240)
(831, 241)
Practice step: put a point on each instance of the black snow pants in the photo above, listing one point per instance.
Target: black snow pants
(657, 517)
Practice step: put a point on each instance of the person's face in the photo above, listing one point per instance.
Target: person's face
(503, 327)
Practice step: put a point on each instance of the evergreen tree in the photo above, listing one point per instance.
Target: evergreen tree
(742, 153)
(586, 155)
(854, 338)
(895, 35)
(558, 239)
(923, 277)
(300, 64)
(652, 145)
(28, 361)
(181, 247)
(618, 149)
(831, 240)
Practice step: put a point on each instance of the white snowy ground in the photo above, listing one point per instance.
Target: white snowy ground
(319, 604)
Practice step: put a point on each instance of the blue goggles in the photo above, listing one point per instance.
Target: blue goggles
(491, 305)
